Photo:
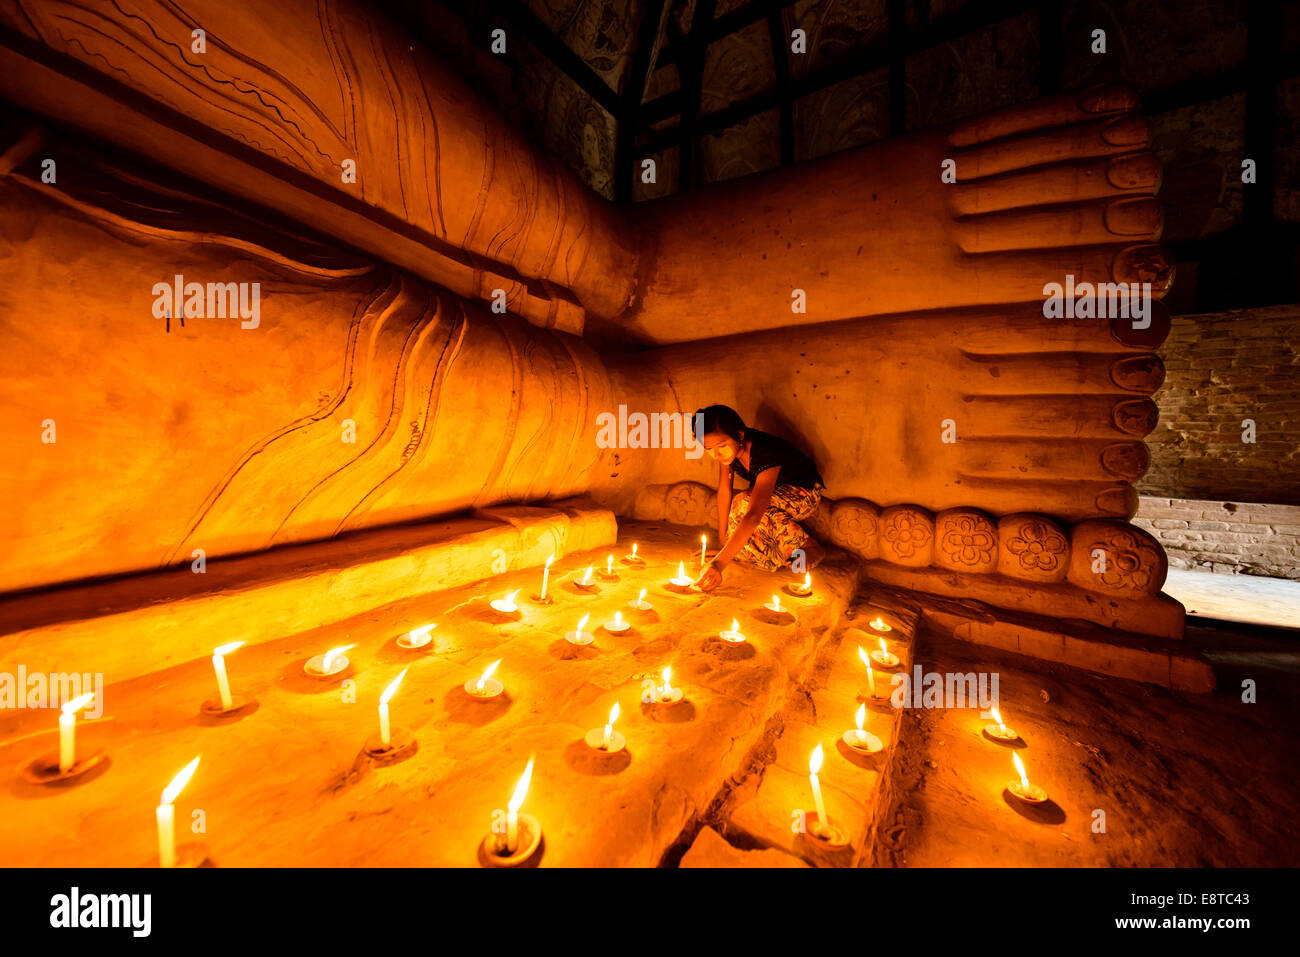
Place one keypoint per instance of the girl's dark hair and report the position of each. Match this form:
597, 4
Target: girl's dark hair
721, 418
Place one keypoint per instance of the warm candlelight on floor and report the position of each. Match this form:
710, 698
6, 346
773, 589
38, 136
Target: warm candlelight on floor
802, 589
641, 604
485, 686
609, 574
681, 581
734, 633
878, 624
416, 637
666, 693
1022, 789
512, 809
166, 814
859, 739
606, 740
704, 545
330, 663
68, 731
618, 625
506, 605
774, 606
999, 731
546, 577
815, 765
884, 657
219, 666
580, 635
385, 736
609, 726
871, 675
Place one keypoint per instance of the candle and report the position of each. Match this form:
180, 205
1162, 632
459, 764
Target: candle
416, 637
546, 575
704, 544
580, 636
634, 556
1000, 731
166, 815
878, 624
512, 809
859, 739
609, 726
871, 675
1022, 789
219, 666
482, 682
734, 633
1020, 769
327, 665
385, 737
586, 579
815, 765
807, 583
641, 604
667, 693
618, 625
884, 656
68, 731
609, 565
506, 606
681, 580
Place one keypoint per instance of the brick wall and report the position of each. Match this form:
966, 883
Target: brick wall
1219, 536
1222, 368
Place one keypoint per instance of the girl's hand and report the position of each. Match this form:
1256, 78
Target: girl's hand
711, 578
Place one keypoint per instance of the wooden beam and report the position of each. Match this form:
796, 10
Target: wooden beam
691, 68
781, 62
634, 83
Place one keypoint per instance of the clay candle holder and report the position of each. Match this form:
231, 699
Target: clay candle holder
1000, 732
618, 625
416, 637
506, 607
329, 664
665, 693
608, 575
606, 740
542, 598
486, 687
681, 583
64, 765
640, 604
523, 835
782, 616
225, 703
1022, 789
879, 626
579, 636
884, 657
585, 583
862, 742
633, 558
390, 740
733, 634
800, 590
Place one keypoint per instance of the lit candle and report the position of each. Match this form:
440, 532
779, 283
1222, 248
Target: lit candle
506, 605
681, 580
1020, 769
1022, 789
634, 556
219, 666
512, 809
815, 765
999, 731
807, 583
884, 656
416, 637
580, 636
609, 565
618, 625
704, 544
667, 691
546, 575
859, 739
609, 726
734, 633
166, 814
482, 682
586, 579
871, 675
384, 736
640, 604
327, 665
68, 731
878, 624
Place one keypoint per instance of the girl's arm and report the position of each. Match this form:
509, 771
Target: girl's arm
760, 496
724, 499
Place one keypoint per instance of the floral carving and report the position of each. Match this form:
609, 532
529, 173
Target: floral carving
1038, 546
968, 541
853, 526
1130, 562
908, 532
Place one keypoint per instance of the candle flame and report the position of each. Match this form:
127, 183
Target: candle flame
510, 599
681, 571
613, 714
618, 618
884, 652
1020, 769
704, 539
521, 789
735, 625
488, 674
668, 675
415, 634
878, 623
586, 579
807, 580
330, 655
549, 560
76, 704
172, 790
776, 603
392, 688
862, 715
227, 649
609, 565
998, 718
582, 622
866, 660
634, 549
641, 597
815, 762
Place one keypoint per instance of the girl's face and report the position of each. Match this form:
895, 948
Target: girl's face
723, 448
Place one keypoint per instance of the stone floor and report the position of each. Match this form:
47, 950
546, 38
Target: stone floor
1251, 599
287, 783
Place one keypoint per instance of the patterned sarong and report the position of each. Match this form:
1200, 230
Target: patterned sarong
778, 533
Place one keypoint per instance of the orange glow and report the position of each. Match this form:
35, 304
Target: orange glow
227, 649
1020, 769
815, 762
521, 789
487, 674
328, 660
183, 778
862, 715
391, 690
582, 622
76, 704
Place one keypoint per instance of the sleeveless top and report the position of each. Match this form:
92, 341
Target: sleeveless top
769, 451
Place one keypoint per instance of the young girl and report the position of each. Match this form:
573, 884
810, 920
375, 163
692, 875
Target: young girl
759, 526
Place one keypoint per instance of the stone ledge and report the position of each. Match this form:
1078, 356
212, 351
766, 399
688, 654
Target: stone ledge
97, 627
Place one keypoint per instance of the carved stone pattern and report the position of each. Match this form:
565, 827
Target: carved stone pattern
853, 526
1038, 545
968, 541
907, 531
